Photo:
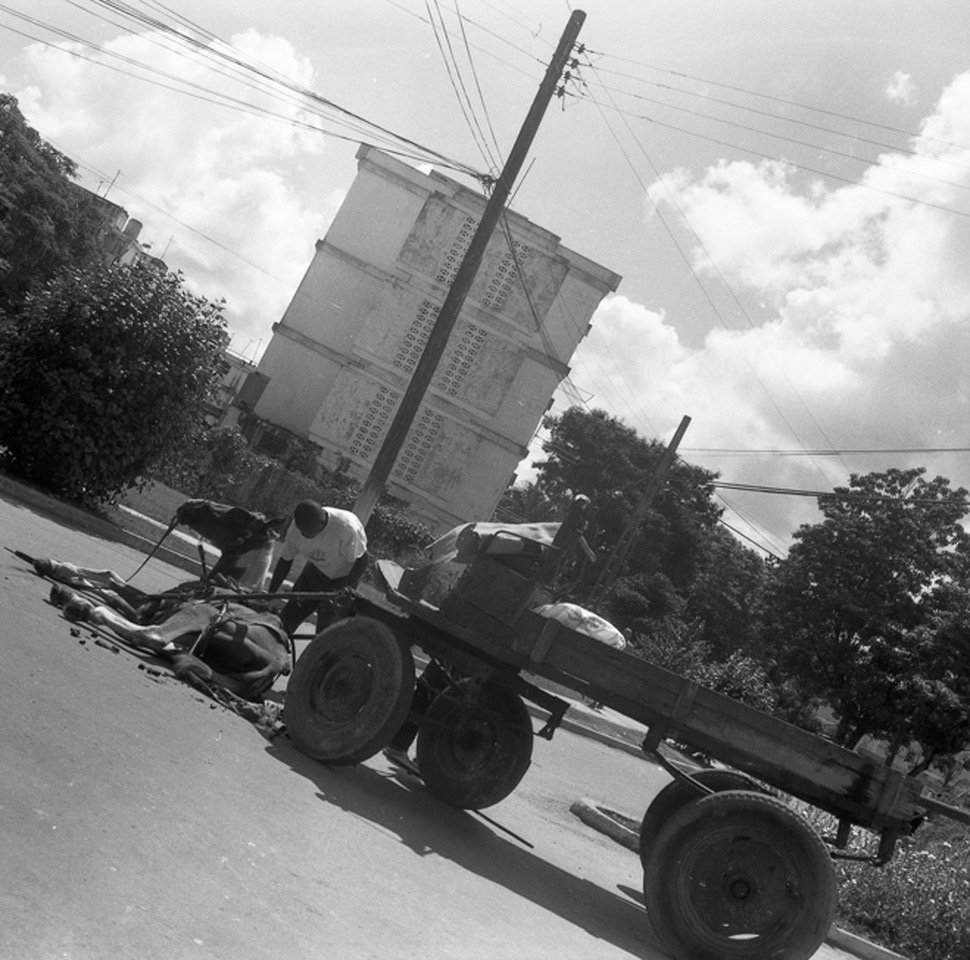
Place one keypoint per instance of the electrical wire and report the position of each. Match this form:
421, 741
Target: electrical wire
756, 544
862, 121
834, 495
842, 154
249, 72
496, 160
443, 40
710, 301
768, 452
854, 135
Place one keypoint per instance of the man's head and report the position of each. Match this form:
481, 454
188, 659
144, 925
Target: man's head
310, 518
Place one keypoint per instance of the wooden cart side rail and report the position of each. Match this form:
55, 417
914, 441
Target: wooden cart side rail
792, 760
786, 757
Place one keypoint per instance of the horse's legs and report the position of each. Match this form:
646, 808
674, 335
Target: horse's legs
79, 608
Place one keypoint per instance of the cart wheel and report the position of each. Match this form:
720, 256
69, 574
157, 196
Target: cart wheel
350, 691
678, 794
472, 752
739, 875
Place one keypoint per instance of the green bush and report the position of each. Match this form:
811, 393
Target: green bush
675, 645
919, 903
392, 533
210, 465
740, 678
220, 466
100, 373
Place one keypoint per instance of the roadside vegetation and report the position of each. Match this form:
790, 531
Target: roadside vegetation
919, 903
218, 464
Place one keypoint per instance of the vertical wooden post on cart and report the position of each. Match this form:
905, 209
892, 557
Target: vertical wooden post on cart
616, 559
448, 315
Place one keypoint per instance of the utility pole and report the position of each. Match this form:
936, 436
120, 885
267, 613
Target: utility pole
618, 556
110, 185
448, 315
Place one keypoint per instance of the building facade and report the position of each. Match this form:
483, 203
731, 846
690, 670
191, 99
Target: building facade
225, 406
118, 234
342, 355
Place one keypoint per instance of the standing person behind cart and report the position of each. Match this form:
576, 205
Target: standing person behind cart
334, 545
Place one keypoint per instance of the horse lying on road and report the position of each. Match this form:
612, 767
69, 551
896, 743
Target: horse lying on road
239, 647
209, 642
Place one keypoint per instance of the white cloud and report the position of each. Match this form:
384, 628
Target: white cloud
872, 310
901, 89
217, 189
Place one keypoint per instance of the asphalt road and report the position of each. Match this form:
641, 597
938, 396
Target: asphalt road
139, 820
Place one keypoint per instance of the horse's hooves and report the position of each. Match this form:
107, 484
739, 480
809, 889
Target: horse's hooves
78, 610
61, 594
75, 607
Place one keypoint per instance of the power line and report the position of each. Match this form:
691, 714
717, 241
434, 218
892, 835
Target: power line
538, 61
707, 296
896, 148
219, 56
869, 161
443, 40
835, 495
751, 540
790, 103
768, 452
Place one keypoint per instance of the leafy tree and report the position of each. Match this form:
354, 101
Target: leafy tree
931, 695
592, 453
681, 563
861, 613
527, 503
46, 220
102, 372
725, 594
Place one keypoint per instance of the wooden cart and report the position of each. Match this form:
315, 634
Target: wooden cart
731, 870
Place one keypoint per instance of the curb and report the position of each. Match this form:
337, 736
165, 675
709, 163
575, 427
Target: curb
605, 731
860, 947
591, 812
89, 522
611, 737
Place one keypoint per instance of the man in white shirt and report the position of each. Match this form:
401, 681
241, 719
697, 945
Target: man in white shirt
334, 545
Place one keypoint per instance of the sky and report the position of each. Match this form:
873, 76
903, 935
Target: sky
783, 187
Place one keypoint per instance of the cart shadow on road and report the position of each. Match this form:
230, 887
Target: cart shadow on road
401, 806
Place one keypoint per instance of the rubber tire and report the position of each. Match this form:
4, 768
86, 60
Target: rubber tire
739, 876
350, 691
473, 753
678, 794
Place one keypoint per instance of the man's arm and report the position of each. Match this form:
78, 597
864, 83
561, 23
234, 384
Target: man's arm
280, 572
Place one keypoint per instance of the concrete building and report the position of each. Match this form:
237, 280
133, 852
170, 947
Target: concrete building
341, 357
225, 407
118, 236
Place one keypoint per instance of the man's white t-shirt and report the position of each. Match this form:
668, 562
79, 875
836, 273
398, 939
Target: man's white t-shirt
333, 550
